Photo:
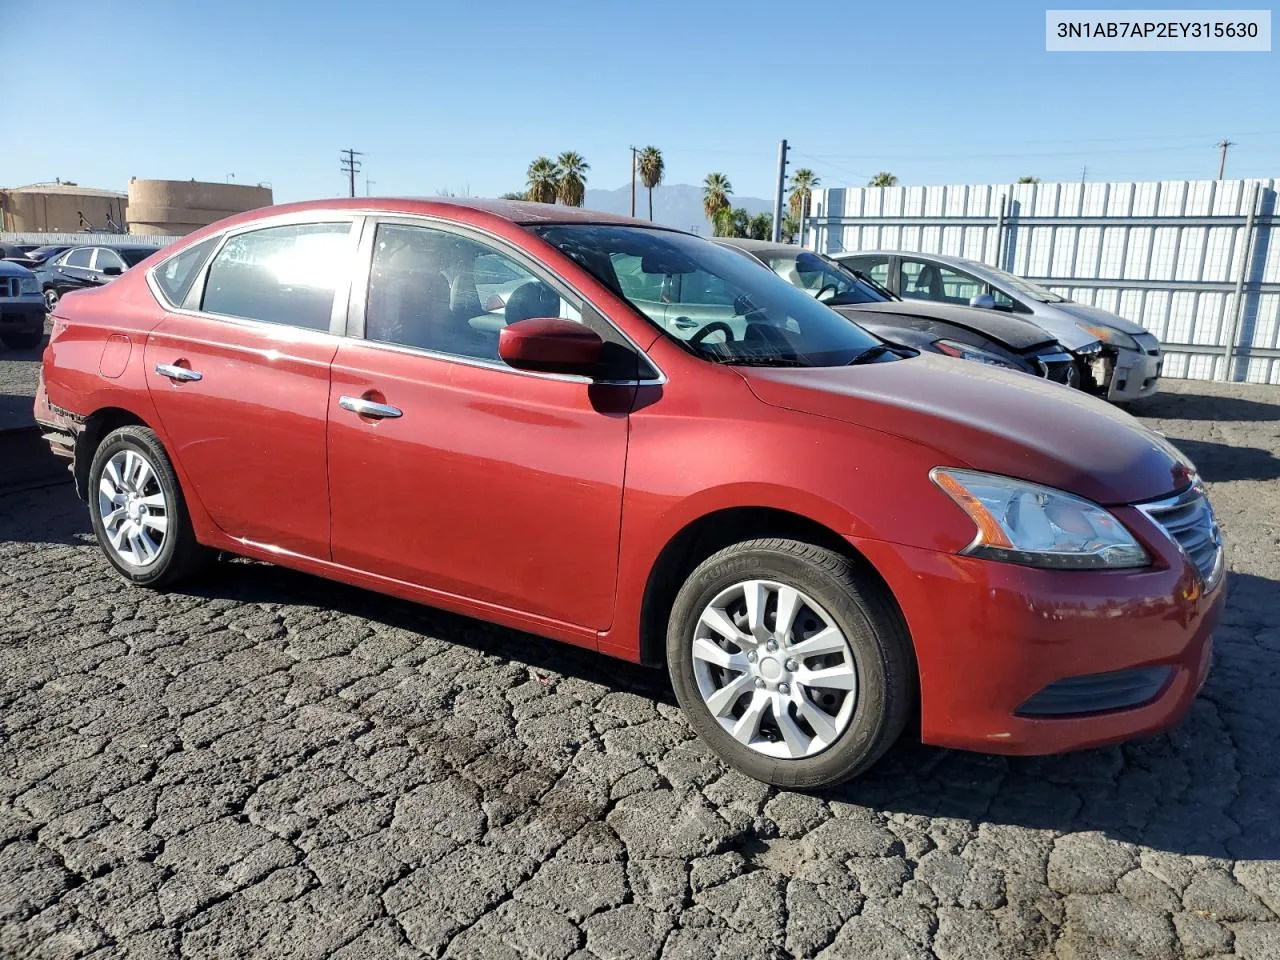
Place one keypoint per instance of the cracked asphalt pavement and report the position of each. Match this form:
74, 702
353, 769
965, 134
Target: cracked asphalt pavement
263, 764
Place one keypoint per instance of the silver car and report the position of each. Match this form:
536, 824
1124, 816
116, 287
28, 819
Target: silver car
1128, 367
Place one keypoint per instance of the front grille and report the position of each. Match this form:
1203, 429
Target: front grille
1058, 366
1188, 518
1097, 693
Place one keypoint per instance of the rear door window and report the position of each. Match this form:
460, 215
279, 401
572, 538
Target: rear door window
107, 257
80, 257
286, 274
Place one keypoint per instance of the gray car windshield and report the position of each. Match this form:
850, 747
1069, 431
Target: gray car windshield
719, 304
822, 279
1032, 291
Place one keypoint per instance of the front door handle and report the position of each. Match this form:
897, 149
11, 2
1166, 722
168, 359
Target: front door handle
369, 408
177, 373
684, 323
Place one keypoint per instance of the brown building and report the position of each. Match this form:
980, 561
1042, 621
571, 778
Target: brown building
61, 208
176, 207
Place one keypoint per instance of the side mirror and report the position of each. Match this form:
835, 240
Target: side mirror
111, 270
984, 301
550, 345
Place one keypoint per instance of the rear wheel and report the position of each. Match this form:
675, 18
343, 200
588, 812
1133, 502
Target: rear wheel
790, 662
23, 340
50, 299
138, 512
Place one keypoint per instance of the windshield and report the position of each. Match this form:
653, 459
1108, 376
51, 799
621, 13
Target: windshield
822, 278
134, 257
1028, 289
721, 305
43, 253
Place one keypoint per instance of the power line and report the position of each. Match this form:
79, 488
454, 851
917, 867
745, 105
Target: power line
350, 166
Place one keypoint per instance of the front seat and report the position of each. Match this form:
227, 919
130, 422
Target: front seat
927, 283
530, 300
410, 308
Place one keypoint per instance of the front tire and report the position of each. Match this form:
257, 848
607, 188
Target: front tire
138, 512
50, 299
791, 662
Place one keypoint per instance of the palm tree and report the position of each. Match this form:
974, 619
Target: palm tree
760, 227
731, 222
883, 179
651, 170
716, 191
802, 183
544, 180
572, 168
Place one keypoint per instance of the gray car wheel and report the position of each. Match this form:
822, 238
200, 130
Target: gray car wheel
791, 661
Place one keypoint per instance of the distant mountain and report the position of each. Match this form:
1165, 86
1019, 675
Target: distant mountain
674, 204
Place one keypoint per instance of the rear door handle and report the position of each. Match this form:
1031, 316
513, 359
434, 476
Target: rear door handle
368, 408
684, 323
177, 373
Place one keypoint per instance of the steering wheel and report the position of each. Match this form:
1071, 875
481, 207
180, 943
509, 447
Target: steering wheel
824, 288
713, 327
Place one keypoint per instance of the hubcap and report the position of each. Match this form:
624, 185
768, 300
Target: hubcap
133, 508
774, 669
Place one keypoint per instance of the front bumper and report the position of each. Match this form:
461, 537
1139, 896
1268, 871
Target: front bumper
1135, 374
22, 314
991, 638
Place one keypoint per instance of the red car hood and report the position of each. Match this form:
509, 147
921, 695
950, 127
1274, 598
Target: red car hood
989, 419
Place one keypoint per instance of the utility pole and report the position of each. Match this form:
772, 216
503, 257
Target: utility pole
777, 200
633, 181
350, 166
367, 184
1222, 157
1084, 172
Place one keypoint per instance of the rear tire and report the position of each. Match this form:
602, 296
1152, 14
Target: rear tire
50, 299
774, 703
25, 340
138, 512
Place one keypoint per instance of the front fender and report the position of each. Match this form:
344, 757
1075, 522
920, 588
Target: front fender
855, 481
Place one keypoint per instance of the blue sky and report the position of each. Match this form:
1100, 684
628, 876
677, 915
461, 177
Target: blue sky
461, 96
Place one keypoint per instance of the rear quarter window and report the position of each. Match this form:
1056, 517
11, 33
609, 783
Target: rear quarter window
175, 276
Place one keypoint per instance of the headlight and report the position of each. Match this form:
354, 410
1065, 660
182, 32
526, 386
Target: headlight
1112, 336
1021, 522
953, 348
29, 285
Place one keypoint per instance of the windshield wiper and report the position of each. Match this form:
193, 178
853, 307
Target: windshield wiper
869, 354
875, 285
758, 361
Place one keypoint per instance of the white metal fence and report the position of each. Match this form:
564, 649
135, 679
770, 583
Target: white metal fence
87, 239
1193, 261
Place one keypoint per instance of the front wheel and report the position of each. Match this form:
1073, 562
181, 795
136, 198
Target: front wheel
791, 662
50, 299
138, 512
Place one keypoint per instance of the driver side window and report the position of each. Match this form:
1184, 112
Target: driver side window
447, 293
958, 287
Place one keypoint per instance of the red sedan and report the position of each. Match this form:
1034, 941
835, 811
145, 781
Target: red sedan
486, 407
